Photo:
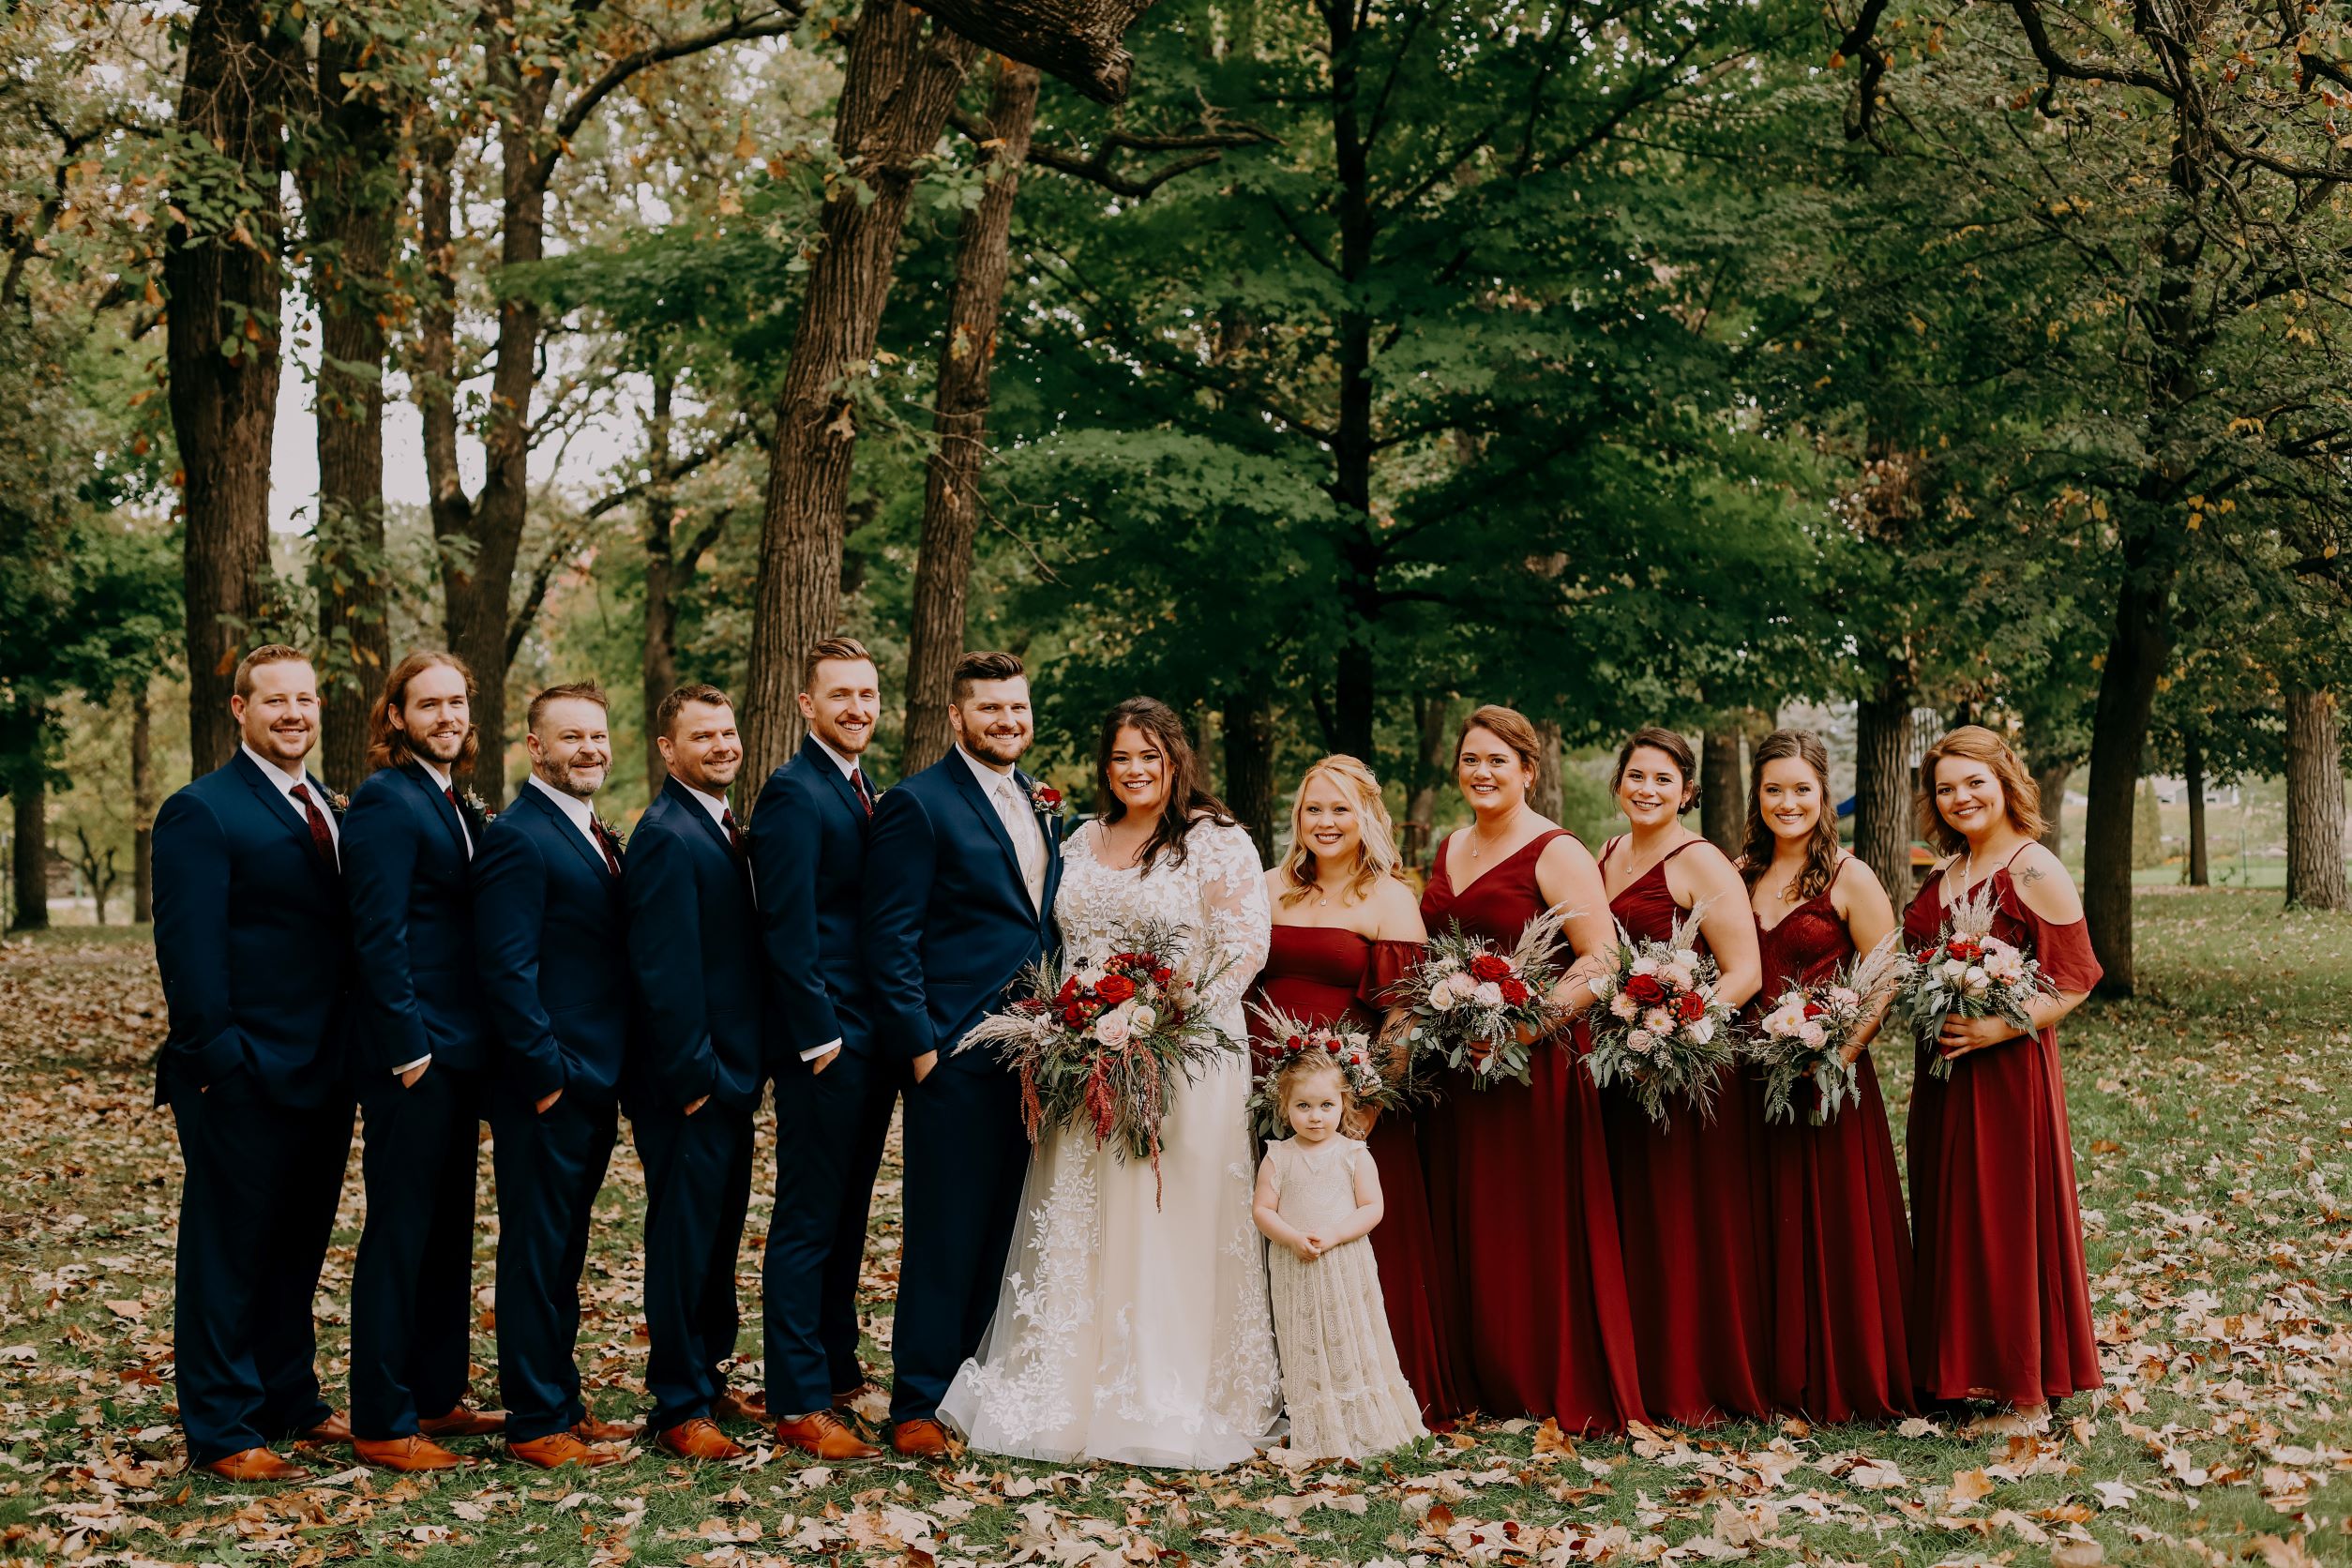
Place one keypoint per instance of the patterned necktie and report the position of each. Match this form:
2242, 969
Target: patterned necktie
865, 790
605, 843
734, 833
1014, 813
321, 837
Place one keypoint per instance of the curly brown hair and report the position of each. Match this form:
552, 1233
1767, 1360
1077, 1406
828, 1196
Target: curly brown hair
388, 737
1821, 851
1185, 803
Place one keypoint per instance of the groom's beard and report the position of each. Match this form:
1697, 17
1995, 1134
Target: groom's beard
581, 780
1006, 748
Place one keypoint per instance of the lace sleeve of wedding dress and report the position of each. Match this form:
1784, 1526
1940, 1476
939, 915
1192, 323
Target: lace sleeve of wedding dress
1233, 908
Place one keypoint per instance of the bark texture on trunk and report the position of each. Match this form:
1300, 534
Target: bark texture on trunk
1248, 726
2050, 781
2136, 652
2193, 765
1883, 786
2315, 802
959, 425
902, 82
1547, 795
1416, 846
143, 804
221, 272
1077, 41
659, 672
1723, 796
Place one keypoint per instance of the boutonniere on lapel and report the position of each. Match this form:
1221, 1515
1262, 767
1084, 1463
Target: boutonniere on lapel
338, 803
608, 830
473, 805
1044, 798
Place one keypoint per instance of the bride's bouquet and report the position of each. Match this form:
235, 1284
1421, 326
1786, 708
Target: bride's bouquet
1355, 1053
1970, 972
1470, 999
1658, 1027
1101, 1044
1804, 1035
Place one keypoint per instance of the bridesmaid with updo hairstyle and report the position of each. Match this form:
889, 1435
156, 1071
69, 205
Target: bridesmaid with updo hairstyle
2001, 1307
1691, 1202
1840, 1257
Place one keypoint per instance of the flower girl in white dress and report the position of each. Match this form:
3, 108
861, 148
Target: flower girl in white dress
1318, 1196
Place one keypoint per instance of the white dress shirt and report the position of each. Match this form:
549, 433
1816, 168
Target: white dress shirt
287, 783
575, 809
1013, 809
715, 805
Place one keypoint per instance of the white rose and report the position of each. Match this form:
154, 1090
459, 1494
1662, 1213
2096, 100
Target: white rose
1686, 957
1954, 970
1658, 1021
1682, 977
1142, 1018
1090, 977
1646, 964
1811, 1032
1624, 1006
1111, 1028
1844, 996
1486, 994
1701, 1033
1641, 1042
1975, 981
1441, 995
1605, 985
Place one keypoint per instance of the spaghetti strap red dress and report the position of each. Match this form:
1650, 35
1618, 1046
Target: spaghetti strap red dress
1520, 1198
2000, 1309
1841, 1250
1321, 974
1692, 1213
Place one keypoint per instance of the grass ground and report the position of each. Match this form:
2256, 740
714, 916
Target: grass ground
2214, 1123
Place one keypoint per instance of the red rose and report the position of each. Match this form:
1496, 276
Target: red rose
1647, 989
1690, 1006
1965, 948
1514, 991
1331, 1046
1049, 797
1813, 1009
1114, 989
1068, 994
1486, 966
1162, 976
1074, 1017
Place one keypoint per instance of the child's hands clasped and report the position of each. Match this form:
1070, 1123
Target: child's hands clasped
1309, 1249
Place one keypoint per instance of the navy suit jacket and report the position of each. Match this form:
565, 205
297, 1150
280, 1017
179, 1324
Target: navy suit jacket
410, 885
253, 940
551, 948
947, 925
808, 871
694, 946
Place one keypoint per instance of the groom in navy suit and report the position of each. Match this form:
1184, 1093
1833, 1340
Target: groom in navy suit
961, 869
250, 936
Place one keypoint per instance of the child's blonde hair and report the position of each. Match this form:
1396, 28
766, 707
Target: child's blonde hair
1307, 1065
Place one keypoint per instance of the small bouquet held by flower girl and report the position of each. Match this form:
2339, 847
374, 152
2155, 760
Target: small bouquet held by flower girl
1470, 999
1101, 1044
1804, 1035
1970, 972
1658, 1027
1355, 1053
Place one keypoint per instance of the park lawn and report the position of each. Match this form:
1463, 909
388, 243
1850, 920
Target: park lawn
2211, 1118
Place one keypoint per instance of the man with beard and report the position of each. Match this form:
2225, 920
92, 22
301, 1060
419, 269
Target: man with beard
834, 1090
553, 954
251, 937
695, 1078
961, 869
418, 1064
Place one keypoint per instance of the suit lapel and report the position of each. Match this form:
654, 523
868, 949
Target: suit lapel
978, 800
684, 800
1049, 829
818, 758
441, 808
273, 801
570, 835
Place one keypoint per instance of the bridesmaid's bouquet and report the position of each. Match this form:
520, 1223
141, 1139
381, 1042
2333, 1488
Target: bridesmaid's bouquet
1805, 1034
1469, 1001
1102, 1044
1658, 1027
1287, 1038
1968, 970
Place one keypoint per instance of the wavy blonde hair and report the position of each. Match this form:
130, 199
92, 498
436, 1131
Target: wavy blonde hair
1375, 842
2021, 797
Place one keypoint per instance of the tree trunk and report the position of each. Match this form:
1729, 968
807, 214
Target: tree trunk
1722, 793
1546, 797
659, 671
352, 191
2315, 803
1883, 785
959, 425
901, 83
1416, 845
2193, 764
221, 273
2136, 652
142, 805
23, 735
2050, 781
1078, 40
1356, 696
1250, 768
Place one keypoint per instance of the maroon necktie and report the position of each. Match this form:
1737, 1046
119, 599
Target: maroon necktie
604, 842
865, 790
451, 790
321, 837
734, 833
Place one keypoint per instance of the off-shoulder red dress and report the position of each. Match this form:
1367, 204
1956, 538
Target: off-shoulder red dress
1519, 1197
2000, 1309
1318, 975
1841, 1250
1692, 1213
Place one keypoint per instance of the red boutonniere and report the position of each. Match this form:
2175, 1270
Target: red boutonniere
1043, 797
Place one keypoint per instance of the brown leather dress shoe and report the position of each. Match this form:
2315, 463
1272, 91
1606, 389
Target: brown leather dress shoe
256, 1463
405, 1454
699, 1438
921, 1439
335, 1428
589, 1429
463, 1422
734, 1405
561, 1448
825, 1435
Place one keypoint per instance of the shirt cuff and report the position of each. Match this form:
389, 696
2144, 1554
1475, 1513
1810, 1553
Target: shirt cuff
406, 1067
824, 1050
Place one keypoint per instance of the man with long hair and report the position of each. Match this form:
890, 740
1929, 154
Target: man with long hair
419, 1065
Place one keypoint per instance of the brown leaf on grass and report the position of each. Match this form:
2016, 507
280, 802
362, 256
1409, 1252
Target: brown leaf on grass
1549, 1439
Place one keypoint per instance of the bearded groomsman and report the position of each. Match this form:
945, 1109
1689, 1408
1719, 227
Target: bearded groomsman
418, 1064
695, 1078
250, 936
553, 954
834, 1089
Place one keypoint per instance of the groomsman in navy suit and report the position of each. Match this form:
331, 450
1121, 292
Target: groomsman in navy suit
251, 938
695, 1078
834, 1089
552, 947
961, 868
418, 1064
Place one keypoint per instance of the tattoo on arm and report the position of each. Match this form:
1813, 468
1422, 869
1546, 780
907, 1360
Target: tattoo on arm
2031, 874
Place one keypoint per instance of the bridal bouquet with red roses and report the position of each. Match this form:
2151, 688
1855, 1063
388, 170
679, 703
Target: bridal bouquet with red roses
1804, 1034
1658, 1027
1355, 1053
1470, 1001
1101, 1042
1970, 972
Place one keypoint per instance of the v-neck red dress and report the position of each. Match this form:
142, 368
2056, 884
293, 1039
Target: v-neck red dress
1841, 1250
1321, 974
1692, 1211
1519, 1198
2001, 1304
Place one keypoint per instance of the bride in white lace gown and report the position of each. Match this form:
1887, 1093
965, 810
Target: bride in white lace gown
1126, 1331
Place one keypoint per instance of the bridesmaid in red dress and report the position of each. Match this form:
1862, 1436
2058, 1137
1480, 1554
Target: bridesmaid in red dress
1840, 1257
1518, 1176
1345, 927
1690, 1206
2001, 1310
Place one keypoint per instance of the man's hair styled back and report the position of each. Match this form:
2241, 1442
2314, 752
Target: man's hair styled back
972, 668
666, 715
584, 691
268, 653
845, 648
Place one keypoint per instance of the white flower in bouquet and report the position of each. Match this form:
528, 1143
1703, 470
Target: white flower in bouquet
1649, 964
1142, 1019
1844, 996
1479, 1008
1624, 1006
1114, 1027
1703, 1032
1682, 977
1656, 1022
1641, 1040
1604, 987
2004, 963
1486, 994
1441, 995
